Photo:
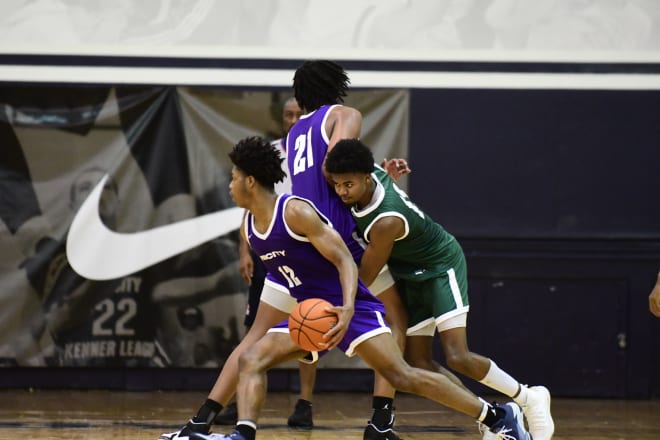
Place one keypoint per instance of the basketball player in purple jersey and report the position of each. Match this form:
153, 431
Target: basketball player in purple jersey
253, 272
307, 258
319, 88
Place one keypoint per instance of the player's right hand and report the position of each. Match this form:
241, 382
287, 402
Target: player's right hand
337, 333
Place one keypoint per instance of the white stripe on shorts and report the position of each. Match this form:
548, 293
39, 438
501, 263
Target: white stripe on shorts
350, 352
455, 290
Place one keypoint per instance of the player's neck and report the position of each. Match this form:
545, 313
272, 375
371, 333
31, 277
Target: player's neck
263, 209
368, 196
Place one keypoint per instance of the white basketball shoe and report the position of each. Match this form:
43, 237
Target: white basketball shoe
537, 413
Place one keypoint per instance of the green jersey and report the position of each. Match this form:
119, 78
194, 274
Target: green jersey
425, 250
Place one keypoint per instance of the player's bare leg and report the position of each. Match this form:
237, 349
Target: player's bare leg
302, 413
380, 426
419, 354
379, 352
535, 401
225, 386
271, 350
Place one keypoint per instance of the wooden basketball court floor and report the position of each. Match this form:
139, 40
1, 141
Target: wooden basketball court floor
134, 415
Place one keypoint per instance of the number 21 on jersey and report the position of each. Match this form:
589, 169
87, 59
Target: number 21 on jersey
304, 157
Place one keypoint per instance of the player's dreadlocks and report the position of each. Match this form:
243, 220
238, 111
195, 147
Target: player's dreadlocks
255, 156
349, 156
321, 82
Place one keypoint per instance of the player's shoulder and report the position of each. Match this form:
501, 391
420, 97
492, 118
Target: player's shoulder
298, 206
299, 209
299, 214
344, 110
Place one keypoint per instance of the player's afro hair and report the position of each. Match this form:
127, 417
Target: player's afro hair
318, 83
349, 156
255, 156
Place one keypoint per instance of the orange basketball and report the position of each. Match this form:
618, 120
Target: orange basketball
309, 321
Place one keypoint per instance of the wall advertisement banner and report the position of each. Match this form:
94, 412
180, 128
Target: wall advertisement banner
163, 154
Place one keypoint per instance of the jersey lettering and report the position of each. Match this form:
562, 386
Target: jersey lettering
407, 201
303, 158
290, 276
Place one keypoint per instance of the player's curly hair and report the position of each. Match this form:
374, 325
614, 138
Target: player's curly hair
349, 156
255, 156
319, 82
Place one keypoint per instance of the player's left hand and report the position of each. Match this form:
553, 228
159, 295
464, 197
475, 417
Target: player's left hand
336, 334
396, 167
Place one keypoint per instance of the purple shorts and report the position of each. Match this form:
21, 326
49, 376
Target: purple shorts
366, 323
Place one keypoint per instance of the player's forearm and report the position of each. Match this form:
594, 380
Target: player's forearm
372, 263
348, 276
368, 275
243, 248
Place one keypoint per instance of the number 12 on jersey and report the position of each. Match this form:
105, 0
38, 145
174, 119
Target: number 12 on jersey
290, 276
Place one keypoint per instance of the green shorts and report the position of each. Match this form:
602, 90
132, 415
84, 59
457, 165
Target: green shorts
440, 302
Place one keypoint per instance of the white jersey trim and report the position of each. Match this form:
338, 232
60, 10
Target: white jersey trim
350, 351
286, 226
326, 138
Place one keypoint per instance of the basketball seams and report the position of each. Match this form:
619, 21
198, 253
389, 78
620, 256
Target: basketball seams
305, 328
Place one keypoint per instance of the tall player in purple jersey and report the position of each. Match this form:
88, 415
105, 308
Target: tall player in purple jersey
308, 258
319, 87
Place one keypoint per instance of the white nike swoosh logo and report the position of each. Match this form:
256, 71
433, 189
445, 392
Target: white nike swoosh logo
98, 253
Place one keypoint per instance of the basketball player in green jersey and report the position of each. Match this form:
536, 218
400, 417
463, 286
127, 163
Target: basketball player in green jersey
431, 274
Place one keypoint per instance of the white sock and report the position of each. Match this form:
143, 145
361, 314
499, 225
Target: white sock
521, 398
501, 381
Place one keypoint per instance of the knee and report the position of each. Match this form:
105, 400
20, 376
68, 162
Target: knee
458, 361
249, 360
423, 362
400, 379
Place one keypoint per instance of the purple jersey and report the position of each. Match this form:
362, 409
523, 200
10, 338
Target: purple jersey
307, 145
293, 262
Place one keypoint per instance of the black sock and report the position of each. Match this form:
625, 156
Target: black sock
247, 431
493, 415
207, 412
382, 411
